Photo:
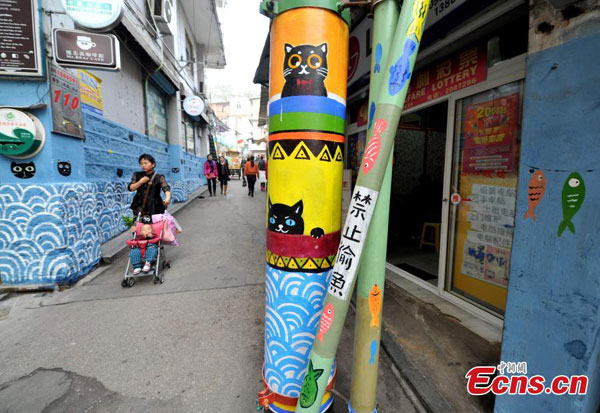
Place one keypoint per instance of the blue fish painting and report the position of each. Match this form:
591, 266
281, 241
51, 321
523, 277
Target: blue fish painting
373, 352
371, 114
400, 72
378, 56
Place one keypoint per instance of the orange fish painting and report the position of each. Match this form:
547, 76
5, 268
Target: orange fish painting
326, 321
374, 146
375, 305
535, 192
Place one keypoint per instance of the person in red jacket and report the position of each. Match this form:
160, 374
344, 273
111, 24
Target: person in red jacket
252, 174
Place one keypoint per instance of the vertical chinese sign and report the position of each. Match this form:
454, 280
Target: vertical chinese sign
67, 117
491, 135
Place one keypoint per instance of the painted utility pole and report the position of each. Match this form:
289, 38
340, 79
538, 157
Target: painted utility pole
307, 110
389, 102
371, 275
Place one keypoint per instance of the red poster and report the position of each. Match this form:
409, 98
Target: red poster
457, 72
490, 132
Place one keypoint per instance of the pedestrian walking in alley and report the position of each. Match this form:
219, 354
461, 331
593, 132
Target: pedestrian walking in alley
252, 174
148, 184
223, 170
211, 173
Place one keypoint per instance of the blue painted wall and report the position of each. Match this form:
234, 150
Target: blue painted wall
52, 226
552, 320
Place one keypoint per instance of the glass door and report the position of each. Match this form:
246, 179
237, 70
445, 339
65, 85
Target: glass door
483, 194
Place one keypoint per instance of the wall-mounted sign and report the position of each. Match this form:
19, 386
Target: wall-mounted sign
100, 15
193, 105
20, 135
360, 51
73, 48
462, 70
438, 9
67, 116
19, 38
90, 88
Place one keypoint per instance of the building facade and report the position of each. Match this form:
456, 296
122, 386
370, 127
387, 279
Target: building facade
57, 206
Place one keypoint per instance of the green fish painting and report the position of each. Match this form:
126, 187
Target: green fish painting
573, 194
310, 388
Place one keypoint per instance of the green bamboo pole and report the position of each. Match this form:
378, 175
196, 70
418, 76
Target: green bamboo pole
389, 103
371, 275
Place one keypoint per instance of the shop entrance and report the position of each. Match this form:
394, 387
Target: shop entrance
417, 192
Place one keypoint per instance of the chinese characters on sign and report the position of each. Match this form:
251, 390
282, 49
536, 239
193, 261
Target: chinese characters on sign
457, 72
19, 38
352, 242
74, 48
67, 117
486, 254
491, 130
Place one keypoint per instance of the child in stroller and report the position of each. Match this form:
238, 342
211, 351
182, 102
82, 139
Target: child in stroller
147, 249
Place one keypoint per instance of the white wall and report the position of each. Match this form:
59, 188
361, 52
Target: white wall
123, 93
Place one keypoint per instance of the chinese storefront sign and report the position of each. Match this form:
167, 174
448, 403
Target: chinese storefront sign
90, 87
486, 253
74, 48
490, 133
19, 38
19, 137
94, 14
67, 117
352, 242
457, 72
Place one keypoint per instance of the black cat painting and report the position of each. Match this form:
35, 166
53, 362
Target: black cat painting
287, 219
64, 168
23, 170
305, 70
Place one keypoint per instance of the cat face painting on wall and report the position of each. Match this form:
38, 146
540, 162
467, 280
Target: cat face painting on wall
23, 170
64, 168
305, 70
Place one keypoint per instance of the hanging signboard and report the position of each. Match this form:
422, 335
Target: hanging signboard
90, 88
460, 71
67, 117
20, 134
438, 9
73, 48
100, 15
19, 38
193, 105
491, 130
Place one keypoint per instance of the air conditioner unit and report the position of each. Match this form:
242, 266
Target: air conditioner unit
163, 12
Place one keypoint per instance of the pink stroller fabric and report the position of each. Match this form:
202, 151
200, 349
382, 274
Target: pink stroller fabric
168, 238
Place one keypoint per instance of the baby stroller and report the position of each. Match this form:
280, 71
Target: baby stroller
129, 278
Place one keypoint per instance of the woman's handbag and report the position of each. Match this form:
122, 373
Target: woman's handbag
244, 181
141, 210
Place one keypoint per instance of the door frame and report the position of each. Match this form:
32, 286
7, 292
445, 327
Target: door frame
502, 73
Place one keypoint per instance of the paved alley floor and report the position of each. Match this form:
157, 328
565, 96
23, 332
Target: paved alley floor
192, 344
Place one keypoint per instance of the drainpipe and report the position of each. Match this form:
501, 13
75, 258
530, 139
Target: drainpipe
396, 71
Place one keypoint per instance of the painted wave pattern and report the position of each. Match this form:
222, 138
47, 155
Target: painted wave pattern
294, 304
51, 234
181, 190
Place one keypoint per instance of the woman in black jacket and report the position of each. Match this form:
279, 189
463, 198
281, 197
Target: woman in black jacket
223, 171
148, 184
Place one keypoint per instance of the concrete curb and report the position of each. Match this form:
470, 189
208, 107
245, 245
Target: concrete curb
116, 247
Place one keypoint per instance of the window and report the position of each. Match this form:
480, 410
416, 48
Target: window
189, 54
156, 112
190, 141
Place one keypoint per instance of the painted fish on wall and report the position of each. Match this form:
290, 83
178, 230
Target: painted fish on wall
573, 194
374, 147
535, 192
375, 305
373, 352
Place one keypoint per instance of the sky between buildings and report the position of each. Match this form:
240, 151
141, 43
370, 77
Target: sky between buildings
244, 32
